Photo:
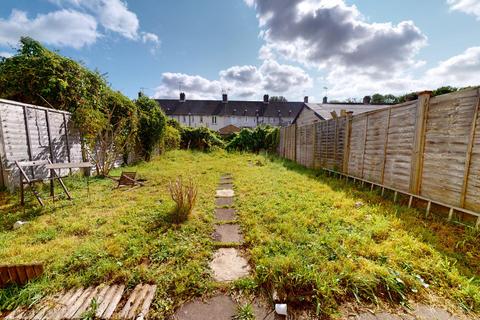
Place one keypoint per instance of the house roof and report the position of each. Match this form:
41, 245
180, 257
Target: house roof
324, 110
231, 108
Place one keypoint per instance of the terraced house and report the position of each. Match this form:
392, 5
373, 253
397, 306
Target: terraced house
229, 116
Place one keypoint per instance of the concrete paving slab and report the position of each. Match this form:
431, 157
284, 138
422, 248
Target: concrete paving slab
228, 233
222, 186
422, 311
217, 308
226, 180
225, 193
225, 214
220, 202
228, 265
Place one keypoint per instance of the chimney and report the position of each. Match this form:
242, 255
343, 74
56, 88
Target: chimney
367, 100
325, 100
182, 96
305, 99
265, 99
224, 98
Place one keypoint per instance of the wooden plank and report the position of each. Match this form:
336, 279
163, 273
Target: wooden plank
86, 304
148, 300
129, 311
101, 300
468, 156
38, 269
27, 134
113, 302
346, 147
385, 146
60, 303
364, 145
419, 141
72, 308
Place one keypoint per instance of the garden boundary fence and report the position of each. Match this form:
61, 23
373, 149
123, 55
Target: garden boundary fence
427, 149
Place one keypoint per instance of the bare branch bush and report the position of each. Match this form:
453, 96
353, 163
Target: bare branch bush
184, 194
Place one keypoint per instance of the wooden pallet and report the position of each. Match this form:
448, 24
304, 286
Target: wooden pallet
75, 303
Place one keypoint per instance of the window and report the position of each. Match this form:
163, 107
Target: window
214, 119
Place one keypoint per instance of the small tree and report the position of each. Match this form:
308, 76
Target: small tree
118, 131
152, 125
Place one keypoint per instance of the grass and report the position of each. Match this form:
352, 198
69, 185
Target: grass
305, 237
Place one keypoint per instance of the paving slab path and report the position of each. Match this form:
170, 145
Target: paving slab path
227, 264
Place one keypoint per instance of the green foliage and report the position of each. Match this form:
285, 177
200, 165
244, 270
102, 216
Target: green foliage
172, 138
152, 125
278, 99
444, 90
200, 138
391, 99
106, 119
244, 312
260, 138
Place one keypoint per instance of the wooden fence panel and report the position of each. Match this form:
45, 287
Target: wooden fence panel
400, 147
375, 146
357, 145
447, 134
472, 184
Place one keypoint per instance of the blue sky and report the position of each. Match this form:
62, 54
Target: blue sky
251, 47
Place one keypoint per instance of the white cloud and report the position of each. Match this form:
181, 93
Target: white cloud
460, 70
240, 82
61, 28
114, 16
466, 6
322, 33
4, 54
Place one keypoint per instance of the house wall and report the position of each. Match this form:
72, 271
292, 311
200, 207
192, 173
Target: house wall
223, 121
306, 116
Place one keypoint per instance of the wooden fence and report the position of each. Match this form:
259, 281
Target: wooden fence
428, 149
29, 133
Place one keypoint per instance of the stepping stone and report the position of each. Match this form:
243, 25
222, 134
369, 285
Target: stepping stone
222, 186
226, 180
225, 193
228, 265
224, 201
225, 214
228, 233
216, 308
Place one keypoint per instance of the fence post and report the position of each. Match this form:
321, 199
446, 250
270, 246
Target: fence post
385, 146
419, 141
364, 145
29, 142
468, 155
346, 147
295, 143
314, 139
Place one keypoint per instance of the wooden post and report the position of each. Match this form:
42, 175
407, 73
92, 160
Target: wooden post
335, 144
52, 158
295, 143
468, 159
346, 143
419, 141
67, 141
410, 200
364, 145
385, 146
29, 143
314, 144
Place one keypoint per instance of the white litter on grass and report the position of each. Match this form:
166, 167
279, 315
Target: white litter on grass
281, 309
225, 193
19, 224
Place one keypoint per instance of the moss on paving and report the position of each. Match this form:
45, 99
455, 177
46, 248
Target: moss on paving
304, 234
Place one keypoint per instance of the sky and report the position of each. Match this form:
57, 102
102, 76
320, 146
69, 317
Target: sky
248, 48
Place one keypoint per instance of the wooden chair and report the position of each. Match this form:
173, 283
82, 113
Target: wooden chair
128, 179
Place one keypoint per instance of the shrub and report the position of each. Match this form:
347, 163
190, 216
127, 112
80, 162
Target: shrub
184, 195
152, 125
172, 138
261, 138
200, 138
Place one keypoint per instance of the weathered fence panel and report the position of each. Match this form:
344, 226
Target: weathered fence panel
29, 132
429, 147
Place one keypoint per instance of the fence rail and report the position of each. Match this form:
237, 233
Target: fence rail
429, 148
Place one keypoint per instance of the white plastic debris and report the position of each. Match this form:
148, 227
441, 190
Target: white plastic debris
281, 309
358, 204
19, 224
